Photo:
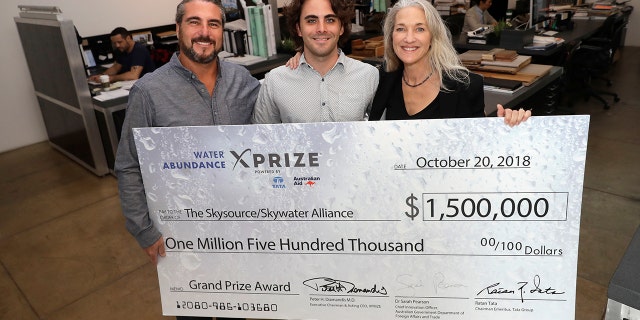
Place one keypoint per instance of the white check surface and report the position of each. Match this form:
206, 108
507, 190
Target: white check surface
439, 219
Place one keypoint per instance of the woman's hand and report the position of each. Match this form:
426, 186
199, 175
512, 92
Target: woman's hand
294, 62
513, 117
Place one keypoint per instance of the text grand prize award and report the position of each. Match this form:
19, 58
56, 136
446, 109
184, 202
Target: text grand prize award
438, 219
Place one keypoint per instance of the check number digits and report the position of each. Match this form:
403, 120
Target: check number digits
514, 206
227, 306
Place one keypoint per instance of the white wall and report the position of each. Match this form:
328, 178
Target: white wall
20, 119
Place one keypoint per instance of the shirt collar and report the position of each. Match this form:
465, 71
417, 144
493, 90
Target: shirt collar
341, 59
182, 70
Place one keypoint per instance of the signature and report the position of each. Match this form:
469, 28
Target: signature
326, 284
520, 289
440, 282
408, 282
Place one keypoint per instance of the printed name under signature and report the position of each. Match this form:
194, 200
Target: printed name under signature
497, 289
326, 284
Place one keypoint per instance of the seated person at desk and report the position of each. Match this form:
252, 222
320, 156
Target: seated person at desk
478, 16
132, 59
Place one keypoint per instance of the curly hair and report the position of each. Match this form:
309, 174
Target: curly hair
442, 55
344, 10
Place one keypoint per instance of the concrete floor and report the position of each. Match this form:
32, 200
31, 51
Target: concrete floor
65, 254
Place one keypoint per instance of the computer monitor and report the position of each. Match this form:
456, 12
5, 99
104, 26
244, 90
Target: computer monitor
538, 11
87, 56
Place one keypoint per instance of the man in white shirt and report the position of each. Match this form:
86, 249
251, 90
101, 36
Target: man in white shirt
327, 86
478, 16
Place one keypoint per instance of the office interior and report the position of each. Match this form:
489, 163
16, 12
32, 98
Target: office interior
64, 252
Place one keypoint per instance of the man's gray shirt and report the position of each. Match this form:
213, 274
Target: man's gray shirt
168, 97
302, 95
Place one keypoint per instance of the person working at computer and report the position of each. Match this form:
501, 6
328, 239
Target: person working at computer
478, 16
328, 85
132, 59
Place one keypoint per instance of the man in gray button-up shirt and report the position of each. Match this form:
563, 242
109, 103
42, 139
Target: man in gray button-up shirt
195, 88
327, 85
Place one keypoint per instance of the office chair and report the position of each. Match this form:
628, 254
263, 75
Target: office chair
455, 23
592, 57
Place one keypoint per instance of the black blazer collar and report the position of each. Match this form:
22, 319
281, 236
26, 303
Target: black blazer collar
449, 99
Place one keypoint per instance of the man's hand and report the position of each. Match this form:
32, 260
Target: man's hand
95, 78
155, 250
513, 117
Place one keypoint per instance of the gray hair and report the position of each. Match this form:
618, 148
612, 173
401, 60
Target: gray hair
442, 55
180, 9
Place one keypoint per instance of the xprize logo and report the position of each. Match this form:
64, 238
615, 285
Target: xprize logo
275, 160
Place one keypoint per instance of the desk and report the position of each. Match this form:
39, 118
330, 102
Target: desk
582, 29
624, 288
260, 68
510, 100
110, 117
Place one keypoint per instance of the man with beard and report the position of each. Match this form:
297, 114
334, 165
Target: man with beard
194, 88
132, 59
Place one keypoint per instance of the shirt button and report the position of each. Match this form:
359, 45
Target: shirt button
323, 104
322, 79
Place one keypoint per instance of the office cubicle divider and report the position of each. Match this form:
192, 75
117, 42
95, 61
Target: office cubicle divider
57, 71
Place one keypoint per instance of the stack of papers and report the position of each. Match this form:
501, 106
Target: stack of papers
113, 94
501, 85
519, 62
127, 84
544, 43
246, 60
478, 60
527, 75
479, 36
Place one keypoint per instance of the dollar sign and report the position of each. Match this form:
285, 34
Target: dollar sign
414, 208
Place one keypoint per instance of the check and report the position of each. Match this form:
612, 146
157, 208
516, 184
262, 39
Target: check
438, 219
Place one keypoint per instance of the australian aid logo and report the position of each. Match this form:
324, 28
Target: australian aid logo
306, 181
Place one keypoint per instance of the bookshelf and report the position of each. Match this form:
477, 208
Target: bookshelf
254, 28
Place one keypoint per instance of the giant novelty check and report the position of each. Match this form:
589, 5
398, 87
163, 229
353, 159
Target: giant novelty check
439, 219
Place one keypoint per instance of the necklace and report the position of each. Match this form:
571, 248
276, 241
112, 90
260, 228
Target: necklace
419, 84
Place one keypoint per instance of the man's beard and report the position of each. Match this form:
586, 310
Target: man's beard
194, 56
124, 49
